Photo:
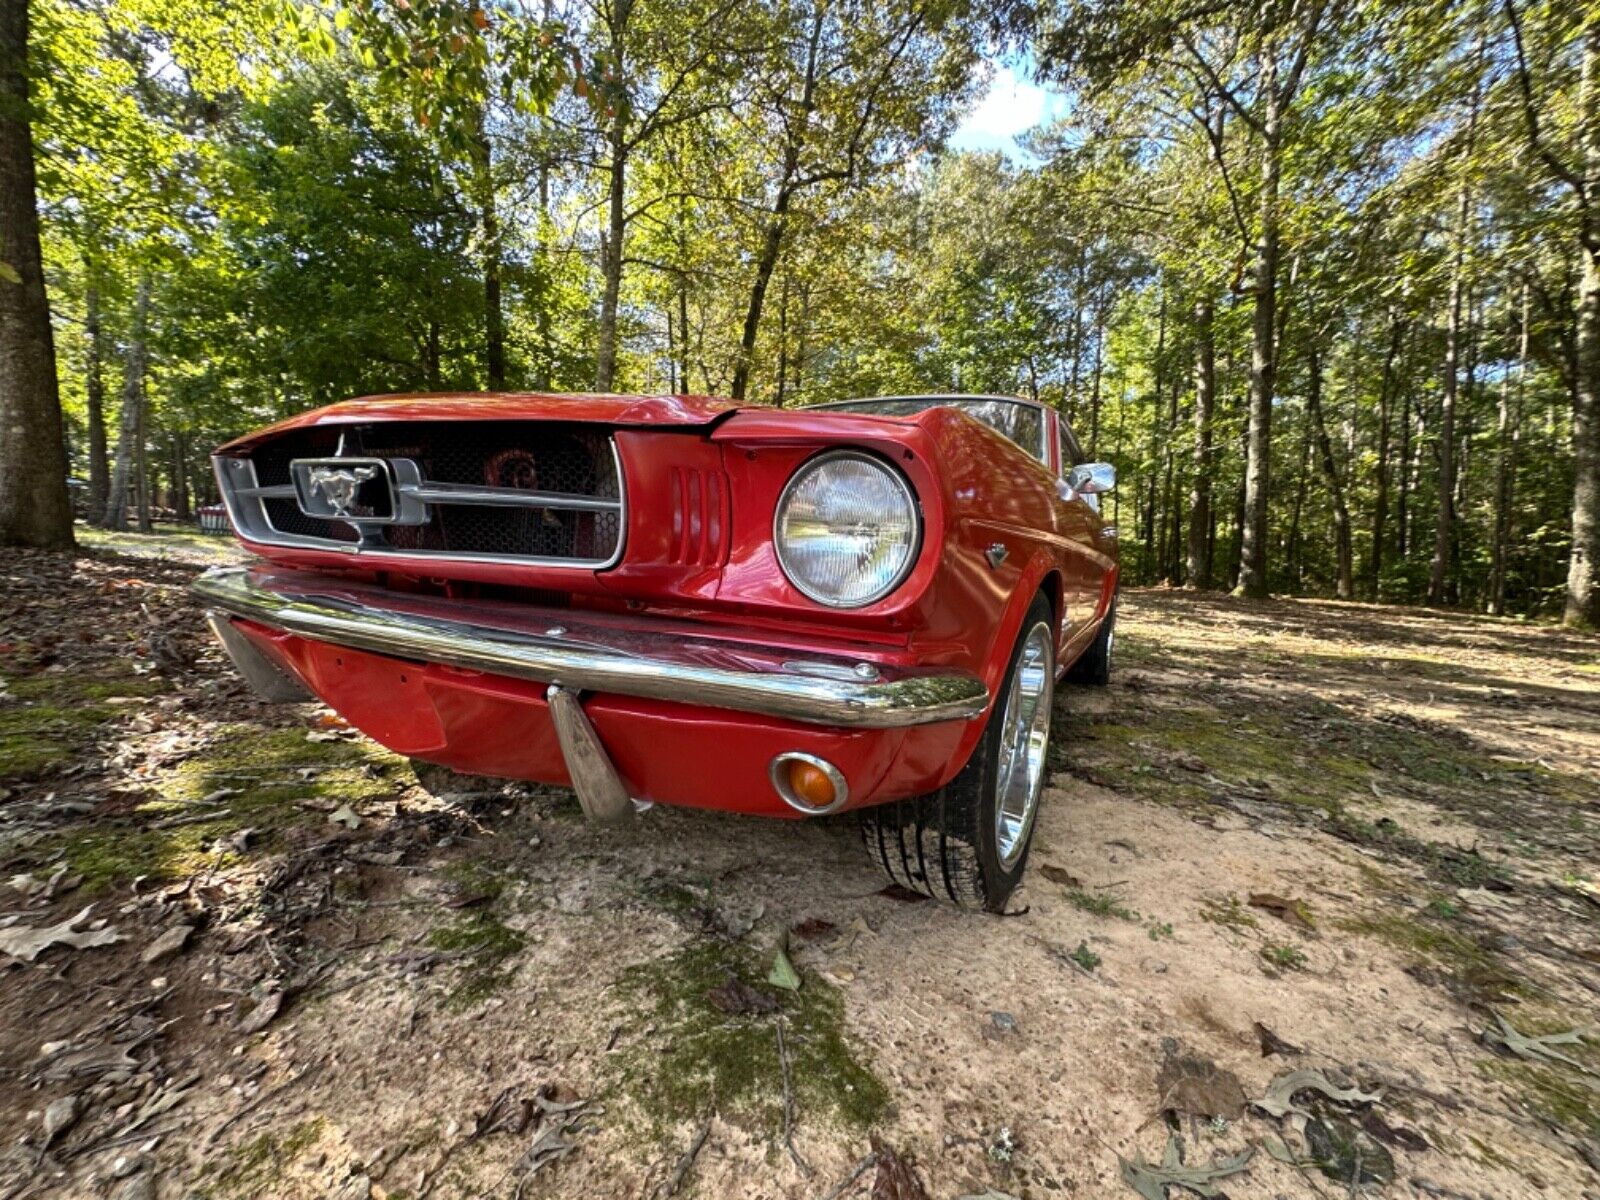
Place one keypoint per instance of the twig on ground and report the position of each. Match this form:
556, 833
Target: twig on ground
788, 1105
684, 1163
856, 1173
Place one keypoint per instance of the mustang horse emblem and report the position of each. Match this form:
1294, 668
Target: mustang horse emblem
339, 485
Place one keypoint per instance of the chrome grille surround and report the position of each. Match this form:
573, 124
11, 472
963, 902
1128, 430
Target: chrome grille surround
458, 517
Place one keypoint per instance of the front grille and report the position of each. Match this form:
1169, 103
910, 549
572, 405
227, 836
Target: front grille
532, 491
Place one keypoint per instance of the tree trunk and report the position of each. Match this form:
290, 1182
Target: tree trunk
35, 509
1583, 568
494, 325
141, 465
1345, 586
1380, 500
1445, 513
1508, 432
1198, 565
605, 366
771, 247
180, 476
1263, 348
95, 391
124, 472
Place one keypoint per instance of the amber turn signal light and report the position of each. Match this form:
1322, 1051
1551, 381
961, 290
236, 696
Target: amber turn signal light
809, 784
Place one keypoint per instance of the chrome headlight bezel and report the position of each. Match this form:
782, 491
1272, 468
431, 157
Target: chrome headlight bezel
913, 508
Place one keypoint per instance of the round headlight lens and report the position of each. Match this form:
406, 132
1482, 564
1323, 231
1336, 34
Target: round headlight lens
846, 529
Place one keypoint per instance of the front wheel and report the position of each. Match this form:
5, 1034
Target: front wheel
968, 842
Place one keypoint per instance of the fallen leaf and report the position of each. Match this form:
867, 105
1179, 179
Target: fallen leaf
1294, 912
27, 942
1196, 1086
1272, 1044
783, 973
167, 944
1059, 875
1393, 1135
1151, 1181
813, 928
896, 1178
260, 1016
847, 940
903, 894
737, 998
1536, 1048
1279, 1100
344, 815
1345, 1154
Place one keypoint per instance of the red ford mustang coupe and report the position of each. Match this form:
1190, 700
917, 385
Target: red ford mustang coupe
680, 600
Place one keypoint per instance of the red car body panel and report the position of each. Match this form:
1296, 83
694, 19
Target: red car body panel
702, 479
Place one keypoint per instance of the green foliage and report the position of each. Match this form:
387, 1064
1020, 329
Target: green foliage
320, 191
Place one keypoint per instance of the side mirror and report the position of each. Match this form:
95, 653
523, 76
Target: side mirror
1090, 479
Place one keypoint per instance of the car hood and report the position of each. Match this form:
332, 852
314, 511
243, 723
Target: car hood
685, 411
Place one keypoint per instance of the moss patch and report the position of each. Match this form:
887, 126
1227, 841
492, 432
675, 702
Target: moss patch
258, 1163
486, 944
699, 1058
51, 718
265, 773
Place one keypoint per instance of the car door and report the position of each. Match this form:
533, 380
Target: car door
1080, 520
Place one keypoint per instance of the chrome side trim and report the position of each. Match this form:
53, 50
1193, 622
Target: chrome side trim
504, 497
654, 668
601, 792
243, 494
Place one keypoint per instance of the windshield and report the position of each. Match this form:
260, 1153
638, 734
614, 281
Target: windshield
1022, 423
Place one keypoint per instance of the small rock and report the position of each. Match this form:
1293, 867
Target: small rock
61, 1116
136, 1187
1004, 1022
168, 944
357, 1187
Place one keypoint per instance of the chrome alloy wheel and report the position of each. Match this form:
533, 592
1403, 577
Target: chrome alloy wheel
1023, 744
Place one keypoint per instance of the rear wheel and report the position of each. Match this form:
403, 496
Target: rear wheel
1094, 664
968, 842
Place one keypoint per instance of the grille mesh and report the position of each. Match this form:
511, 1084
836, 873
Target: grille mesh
529, 456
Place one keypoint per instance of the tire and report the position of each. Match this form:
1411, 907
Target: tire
948, 844
1094, 664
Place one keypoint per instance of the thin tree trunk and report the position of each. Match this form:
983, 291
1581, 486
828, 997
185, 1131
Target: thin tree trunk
1508, 432
1263, 348
141, 464
1583, 568
1292, 553
605, 368
1094, 386
1402, 517
1198, 565
1345, 585
95, 391
35, 509
1380, 500
494, 324
124, 472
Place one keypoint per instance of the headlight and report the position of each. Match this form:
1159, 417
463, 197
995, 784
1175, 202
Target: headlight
846, 529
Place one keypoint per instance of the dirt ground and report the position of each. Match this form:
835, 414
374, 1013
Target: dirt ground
1351, 841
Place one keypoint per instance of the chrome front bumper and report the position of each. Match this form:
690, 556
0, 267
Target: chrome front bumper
581, 651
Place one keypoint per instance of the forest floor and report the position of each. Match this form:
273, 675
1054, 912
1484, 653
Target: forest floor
242, 953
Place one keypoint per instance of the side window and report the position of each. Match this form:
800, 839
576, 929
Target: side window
1071, 455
